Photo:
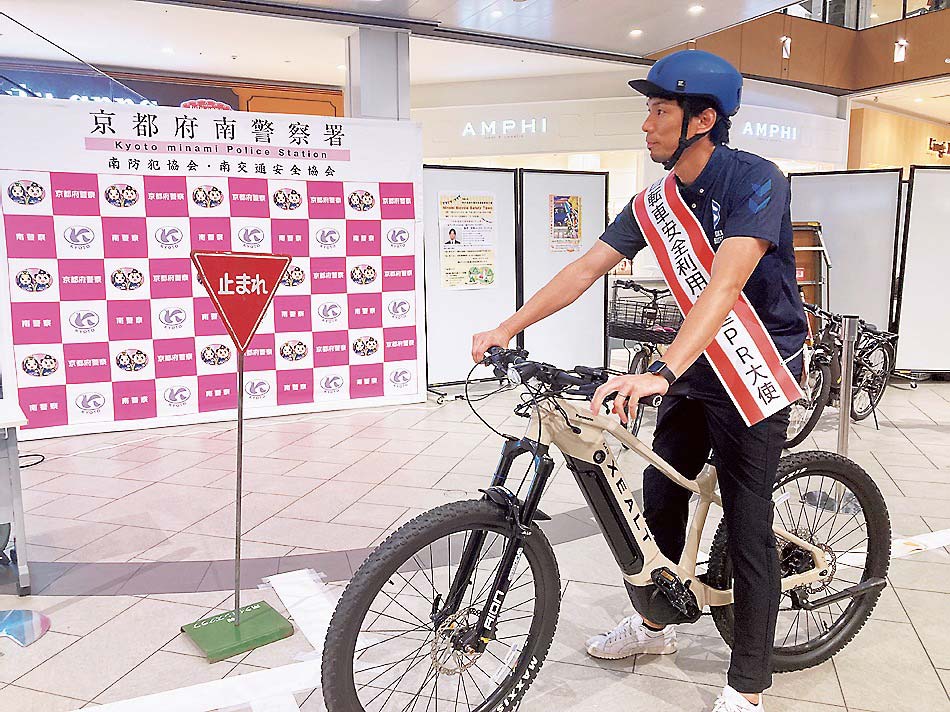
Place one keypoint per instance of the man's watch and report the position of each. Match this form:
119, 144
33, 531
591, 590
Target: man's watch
658, 368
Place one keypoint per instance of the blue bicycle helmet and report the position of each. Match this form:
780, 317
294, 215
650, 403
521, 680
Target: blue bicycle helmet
693, 73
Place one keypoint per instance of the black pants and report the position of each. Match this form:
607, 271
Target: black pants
696, 415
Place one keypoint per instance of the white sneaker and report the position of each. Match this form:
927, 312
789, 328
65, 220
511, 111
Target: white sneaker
732, 701
631, 637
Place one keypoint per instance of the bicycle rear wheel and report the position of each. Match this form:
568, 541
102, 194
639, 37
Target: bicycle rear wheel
830, 502
871, 379
383, 652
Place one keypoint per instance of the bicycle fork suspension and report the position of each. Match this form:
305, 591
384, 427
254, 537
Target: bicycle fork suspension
519, 517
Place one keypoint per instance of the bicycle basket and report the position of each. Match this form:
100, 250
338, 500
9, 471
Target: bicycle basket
643, 321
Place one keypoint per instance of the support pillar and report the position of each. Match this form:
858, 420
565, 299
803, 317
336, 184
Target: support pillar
377, 79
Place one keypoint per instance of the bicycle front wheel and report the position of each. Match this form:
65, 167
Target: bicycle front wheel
804, 414
871, 380
383, 651
830, 502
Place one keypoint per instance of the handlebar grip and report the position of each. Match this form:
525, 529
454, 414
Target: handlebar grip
648, 401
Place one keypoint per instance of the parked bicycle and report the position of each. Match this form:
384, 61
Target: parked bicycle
650, 325
458, 607
874, 357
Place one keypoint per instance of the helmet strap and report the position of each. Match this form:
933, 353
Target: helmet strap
684, 142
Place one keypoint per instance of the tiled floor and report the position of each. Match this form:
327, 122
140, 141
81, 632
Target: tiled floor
318, 486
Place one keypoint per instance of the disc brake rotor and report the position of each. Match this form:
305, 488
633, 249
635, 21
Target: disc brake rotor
795, 560
823, 583
448, 658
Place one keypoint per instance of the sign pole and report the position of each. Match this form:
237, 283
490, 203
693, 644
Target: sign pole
237, 501
241, 286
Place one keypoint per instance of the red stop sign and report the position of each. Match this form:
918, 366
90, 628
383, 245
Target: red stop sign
241, 286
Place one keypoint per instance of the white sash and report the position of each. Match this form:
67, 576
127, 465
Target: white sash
743, 354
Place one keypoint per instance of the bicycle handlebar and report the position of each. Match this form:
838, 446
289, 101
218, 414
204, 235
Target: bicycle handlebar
864, 326
584, 379
637, 287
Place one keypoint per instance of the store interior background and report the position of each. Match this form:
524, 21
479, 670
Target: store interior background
151, 52
482, 106
449, 79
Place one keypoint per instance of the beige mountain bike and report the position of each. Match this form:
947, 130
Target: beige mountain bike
456, 610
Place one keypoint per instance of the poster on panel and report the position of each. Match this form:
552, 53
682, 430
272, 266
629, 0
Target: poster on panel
468, 236
109, 325
565, 233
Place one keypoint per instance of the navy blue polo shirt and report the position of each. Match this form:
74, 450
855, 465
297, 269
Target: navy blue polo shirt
739, 194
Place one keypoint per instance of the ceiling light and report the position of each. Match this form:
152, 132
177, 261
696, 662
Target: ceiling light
696, 9
341, 67
168, 50
497, 13
636, 33
918, 100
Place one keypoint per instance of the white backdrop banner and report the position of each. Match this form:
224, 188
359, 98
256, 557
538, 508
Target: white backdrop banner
109, 325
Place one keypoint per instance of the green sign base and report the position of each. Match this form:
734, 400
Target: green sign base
219, 639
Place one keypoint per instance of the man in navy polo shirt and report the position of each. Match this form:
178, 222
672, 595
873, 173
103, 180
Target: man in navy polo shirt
742, 202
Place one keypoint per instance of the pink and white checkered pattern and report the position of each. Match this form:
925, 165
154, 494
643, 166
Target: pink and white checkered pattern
109, 321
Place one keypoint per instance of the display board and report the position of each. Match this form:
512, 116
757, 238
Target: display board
111, 329
858, 212
924, 343
454, 311
576, 335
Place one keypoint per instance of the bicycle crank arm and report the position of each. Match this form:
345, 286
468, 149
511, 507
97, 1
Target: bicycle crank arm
861, 589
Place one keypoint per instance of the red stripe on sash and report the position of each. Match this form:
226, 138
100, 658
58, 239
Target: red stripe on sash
720, 361
742, 308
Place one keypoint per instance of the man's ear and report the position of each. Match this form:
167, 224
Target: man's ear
704, 120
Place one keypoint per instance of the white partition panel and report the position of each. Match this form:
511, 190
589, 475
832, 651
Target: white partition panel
858, 212
453, 315
924, 343
574, 335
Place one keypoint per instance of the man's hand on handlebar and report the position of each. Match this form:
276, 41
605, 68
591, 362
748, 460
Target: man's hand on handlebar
484, 340
629, 389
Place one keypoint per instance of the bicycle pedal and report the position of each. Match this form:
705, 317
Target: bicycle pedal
676, 592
